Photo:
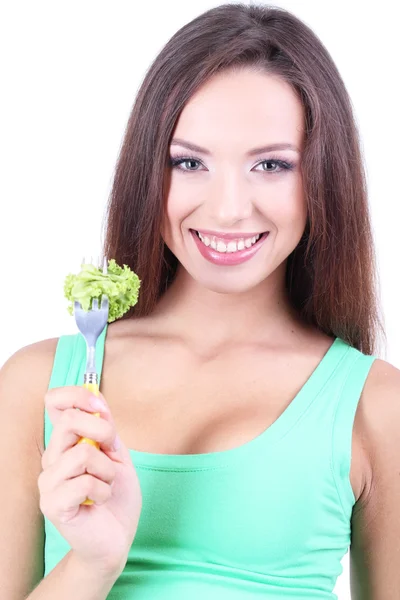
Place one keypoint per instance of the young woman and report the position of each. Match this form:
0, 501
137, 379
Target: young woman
257, 431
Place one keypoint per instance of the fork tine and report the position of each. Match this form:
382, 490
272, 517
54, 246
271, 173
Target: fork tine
95, 304
105, 266
104, 302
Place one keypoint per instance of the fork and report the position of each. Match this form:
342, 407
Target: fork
91, 324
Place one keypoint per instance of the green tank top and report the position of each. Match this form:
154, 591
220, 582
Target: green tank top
268, 519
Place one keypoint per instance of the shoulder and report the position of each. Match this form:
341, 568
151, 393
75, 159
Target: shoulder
24, 380
383, 374
33, 361
379, 406
375, 552
378, 419
382, 388
39, 354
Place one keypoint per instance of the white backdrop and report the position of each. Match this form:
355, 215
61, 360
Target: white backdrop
70, 72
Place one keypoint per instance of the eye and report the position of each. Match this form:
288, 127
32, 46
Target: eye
177, 161
278, 165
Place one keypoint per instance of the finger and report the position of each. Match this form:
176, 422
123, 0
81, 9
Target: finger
79, 460
74, 396
64, 502
71, 427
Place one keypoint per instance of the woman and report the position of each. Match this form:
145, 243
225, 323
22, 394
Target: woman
257, 432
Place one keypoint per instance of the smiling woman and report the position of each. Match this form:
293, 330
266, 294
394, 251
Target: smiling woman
243, 190
252, 129
249, 404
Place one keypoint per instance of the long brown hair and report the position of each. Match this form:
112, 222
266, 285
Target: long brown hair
331, 275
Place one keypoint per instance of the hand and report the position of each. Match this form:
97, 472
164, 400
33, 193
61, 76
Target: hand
101, 534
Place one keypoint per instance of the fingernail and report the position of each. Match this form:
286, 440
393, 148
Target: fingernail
117, 443
97, 403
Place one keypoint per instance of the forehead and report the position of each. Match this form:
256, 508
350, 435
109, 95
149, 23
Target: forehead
242, 105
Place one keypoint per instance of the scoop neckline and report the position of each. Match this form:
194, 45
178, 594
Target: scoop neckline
268, 437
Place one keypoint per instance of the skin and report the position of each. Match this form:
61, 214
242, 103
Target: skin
232, 192
232, 330
220, 358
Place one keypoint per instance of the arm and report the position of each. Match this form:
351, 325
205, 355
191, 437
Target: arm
71, 579
24, 380
375, 546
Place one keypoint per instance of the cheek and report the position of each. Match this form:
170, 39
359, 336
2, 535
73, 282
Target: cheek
295, 206
294, 220
180, 204
174, 214
285, 207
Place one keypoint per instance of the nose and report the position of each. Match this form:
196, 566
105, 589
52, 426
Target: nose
229, 200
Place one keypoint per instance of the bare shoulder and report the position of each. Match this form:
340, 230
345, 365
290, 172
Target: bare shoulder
31, 354
375, 552
378, 413
34, 351
34, 361
382, 376
24, 379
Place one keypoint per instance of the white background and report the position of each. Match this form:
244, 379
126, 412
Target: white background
69, 75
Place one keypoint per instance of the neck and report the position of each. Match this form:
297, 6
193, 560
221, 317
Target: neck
212, 319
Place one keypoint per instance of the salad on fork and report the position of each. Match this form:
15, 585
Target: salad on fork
117, 290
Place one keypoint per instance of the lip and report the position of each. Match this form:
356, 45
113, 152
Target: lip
228, 236
228, 258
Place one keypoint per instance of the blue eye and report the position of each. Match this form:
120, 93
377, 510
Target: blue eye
176, 162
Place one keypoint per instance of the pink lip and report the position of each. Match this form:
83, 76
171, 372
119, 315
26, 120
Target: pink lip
228, 258
228, 236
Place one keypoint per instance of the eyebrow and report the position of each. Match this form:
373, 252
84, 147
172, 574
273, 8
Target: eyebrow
252, 152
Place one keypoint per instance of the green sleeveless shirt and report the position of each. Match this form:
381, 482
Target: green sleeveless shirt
268, 519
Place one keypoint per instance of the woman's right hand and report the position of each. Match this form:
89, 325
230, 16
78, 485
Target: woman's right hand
100, 534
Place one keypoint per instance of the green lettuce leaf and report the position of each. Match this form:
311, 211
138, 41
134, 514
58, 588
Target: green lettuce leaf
121, 285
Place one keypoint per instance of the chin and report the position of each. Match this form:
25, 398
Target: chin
228, 285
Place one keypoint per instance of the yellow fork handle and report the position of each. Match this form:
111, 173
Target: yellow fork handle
94, 388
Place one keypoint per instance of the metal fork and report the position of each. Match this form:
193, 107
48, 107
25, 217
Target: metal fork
91, 323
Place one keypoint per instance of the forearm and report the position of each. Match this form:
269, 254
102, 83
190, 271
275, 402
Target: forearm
72, 579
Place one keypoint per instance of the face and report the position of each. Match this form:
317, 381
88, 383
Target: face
234, 211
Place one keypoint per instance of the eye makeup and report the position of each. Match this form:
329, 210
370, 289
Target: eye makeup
177, 161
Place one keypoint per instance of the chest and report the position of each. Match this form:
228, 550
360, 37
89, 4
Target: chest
172, 403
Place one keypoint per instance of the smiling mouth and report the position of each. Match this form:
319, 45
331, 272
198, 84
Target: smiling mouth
230, 246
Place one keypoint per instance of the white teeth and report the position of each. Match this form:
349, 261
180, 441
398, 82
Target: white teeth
231, 246
221, 247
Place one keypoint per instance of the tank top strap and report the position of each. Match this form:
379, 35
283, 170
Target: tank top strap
358, 367
69, 366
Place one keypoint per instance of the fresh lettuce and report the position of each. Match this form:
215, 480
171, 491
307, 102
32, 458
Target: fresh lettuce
121, 285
